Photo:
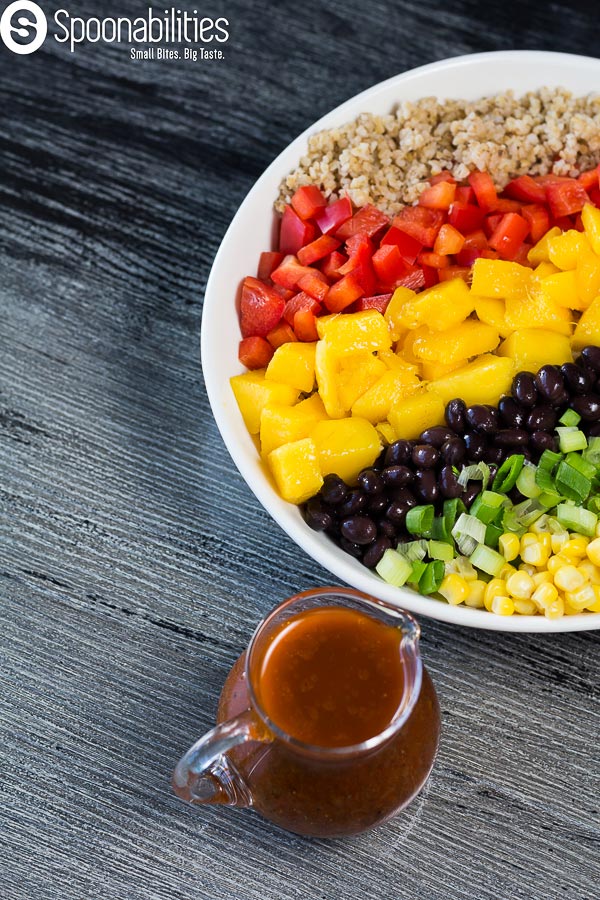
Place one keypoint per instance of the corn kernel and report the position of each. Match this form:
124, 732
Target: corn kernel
590, 571
570, 610
525, 607
503, 606
576, 546
525, 567
568, 578
559, 562
595, 606
476, 592
593, 551
506, 571
556, 609
494, 588
520, 585
543, 577
558, 541
454, 589
509, 546
544, 595
540, 526
582, 598
545, 539
533, 551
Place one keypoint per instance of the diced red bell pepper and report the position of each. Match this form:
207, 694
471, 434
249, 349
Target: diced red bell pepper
527, 189
294, 232
594, 195
444, 175
521, 256
433, 260
331, 265
564, 223
283, 292
485, 190
538, 219
308, 200
305, 325
261, 308
468, 255
421, 223
281, 334
360, 250
266, 263
255, 352
579, 223
439, 196
409, 247
465, 217
566, 198
332, 217
389, 264
551, 178
506, 205
379, 302
289, 272
509, 234
430, 276
490, 223
451, 272
465, 194
590, 179
315, 285
476, 238
449, 240
318, 249
490, 254
300, 301
343, 293
368, 221
414, 279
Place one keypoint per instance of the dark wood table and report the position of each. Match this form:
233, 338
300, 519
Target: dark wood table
135, 562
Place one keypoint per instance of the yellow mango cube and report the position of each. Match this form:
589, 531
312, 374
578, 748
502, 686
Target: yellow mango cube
565, 249
461, 342
411, 416
587, 330
492, 311
536, 310
293, 363
354, 332
562, 290
587, 274
285, 424
499, 278
541, 252
357, 374
397, 363
296, 470
439, 307
532, 348
590, 216
253, 392
345, 446
484, 380
327, 369
375, 403
431, 371
393, 313
385, 432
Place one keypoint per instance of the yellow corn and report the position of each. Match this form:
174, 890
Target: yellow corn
555, 563
525, 567
545, 539
503, 606
568, 578
506, 571
476, 592
543, 577
558, 541
576, 546
494, 588
584, 597
556, 609
509, 546
520, 585
525, 607
454, 589
533, 549
544, 595
593, 551
589, 571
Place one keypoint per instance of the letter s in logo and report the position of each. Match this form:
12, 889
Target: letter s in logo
32, 24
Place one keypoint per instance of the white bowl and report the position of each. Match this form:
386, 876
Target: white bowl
251, 232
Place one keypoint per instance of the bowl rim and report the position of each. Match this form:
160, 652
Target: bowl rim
348, 570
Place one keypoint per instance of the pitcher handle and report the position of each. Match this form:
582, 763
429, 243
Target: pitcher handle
205, 775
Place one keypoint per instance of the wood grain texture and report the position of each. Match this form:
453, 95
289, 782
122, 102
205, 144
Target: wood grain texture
135, 562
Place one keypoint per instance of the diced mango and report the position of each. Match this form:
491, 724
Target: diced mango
357, 374
296, 470
565, 249
375, 403
404, 348
294, 363
345, 446
499, 278
385, 432
540, 252
393, 313
532, 348
413, 415
587, 330
353, 332
327, 370
492, 311
590, 216
536, 311
484, 380
544, 270
461, 342
253, 392
587, 274
284, 424
439, 307
397, 363
561, 290
433, 370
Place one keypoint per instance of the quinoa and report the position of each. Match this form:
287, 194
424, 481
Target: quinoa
387, 160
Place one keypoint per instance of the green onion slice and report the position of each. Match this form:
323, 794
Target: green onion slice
576, 518
394, 568
419, 519
487, 560
571, 438
570, 418
507, 474
431, 579
572, 483
478, 472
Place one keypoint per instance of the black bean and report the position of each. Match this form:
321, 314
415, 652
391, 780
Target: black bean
577, 379
436, 436
454, 451
424, 456
398, 453
511, 413
511, 437
386, 529
472, 489
475, 445
541, 418
397, 476
588, 406
356, 502
334, 490
448, 481
494, 455
371, 481
396, 512
359, 529
378, 504
455, 415
524, 389
376, 551
484, 419
316, 516
550, 384
426, 486
591, 356
350, 547
595, 430
404, 496
541, 440
493, 467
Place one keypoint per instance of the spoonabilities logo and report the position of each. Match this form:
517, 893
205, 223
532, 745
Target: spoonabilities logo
25, 19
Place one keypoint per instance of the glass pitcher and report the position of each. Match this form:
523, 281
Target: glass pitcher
247, 760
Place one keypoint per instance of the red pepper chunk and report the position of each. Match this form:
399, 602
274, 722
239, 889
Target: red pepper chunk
527, 189
318, 249
281, 334
439, 196
420, 223
308, 200
508, 235
315, 285
465, 217
294, 233
379, 302
343, 293
368, 221
565, 198
331, 265
261, 308
448, 241
538, 219
305, 326
485, 190
255, 352
267, 262
301, 302
409, 247
389, 264
333, 216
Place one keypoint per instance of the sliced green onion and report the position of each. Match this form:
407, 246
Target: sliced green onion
549, 499
570, 418
413, 550
468, 532
592, 451
519, 517
478, 472
549, 460
431, 579
394, 568
492, 535
487, 506
571, 483
507, 474
570, 438
576, 518
418, 568
460, 565
452, 510
487, 560
593, 505
441, 550
419, 519
554, 526
440, 530
582, 465
526, 481
544, 479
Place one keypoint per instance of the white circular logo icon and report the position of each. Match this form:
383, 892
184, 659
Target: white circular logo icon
24, 19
